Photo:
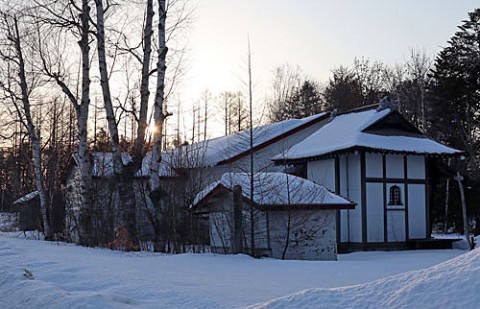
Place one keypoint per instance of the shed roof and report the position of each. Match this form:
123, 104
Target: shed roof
351, 130
26, 198
276, 190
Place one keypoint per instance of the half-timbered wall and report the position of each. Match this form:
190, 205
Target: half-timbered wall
368, 179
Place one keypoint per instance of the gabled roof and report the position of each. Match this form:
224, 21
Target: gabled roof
275, 191
362, 130
216, 151
226, 149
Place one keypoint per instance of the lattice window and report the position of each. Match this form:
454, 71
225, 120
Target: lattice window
395, 196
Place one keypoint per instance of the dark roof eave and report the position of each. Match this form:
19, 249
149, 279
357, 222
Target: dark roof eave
283, 207
284, 161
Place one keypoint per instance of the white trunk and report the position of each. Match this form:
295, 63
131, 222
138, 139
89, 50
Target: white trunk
466, 232
85, 224
124, 174
159, 116
34, 137
144, 91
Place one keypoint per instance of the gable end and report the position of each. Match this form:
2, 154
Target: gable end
394, 124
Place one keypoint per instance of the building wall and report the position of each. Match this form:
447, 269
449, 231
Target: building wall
105, 209
373, 216
408, 219
312, 232
353, 190
322, 172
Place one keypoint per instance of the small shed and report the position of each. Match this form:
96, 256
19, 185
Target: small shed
293, 218
28, 208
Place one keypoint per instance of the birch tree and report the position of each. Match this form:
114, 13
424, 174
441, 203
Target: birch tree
18, 91
53, 20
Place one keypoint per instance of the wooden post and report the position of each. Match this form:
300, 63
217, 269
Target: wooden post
237, 244
445, 228
464, 210
447, 196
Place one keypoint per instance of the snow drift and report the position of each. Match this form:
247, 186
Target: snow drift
451, 284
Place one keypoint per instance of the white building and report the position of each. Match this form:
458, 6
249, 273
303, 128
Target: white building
379, 160
294, 218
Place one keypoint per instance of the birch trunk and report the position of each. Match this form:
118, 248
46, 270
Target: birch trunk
466, 232
159, 116
123, 174
85, 220
144, 91
34, 136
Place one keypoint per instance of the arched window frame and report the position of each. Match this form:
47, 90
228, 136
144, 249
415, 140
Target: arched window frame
395, 197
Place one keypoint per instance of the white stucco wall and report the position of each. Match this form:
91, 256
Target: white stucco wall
312, 236
416, 167
374, 165
312, 232
322, 172
355, 194
375, 220
417, 216
396, 225
394, 166
350, 187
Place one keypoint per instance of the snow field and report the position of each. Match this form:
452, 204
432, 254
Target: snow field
68, 276
451, 284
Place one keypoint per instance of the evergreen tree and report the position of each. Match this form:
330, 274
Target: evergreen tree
343, 91
455, 89
303, 101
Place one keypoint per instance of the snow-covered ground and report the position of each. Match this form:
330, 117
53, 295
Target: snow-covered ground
451, 284
67, 276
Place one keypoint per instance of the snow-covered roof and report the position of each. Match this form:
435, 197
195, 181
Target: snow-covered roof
26, 198
206, 153
277, 189
346, 131
103, 164
216, 150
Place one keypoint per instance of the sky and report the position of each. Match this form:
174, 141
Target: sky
317, 35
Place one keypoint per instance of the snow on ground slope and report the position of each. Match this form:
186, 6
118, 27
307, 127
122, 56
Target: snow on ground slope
451, 284
68, 276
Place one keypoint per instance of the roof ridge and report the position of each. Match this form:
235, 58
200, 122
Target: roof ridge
359, 109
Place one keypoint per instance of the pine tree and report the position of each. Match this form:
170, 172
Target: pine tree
455, 89
303, 101
343, 91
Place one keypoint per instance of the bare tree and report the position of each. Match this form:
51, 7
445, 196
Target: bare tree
234, 115
52, 17
19, 91
286, 79
250, 106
